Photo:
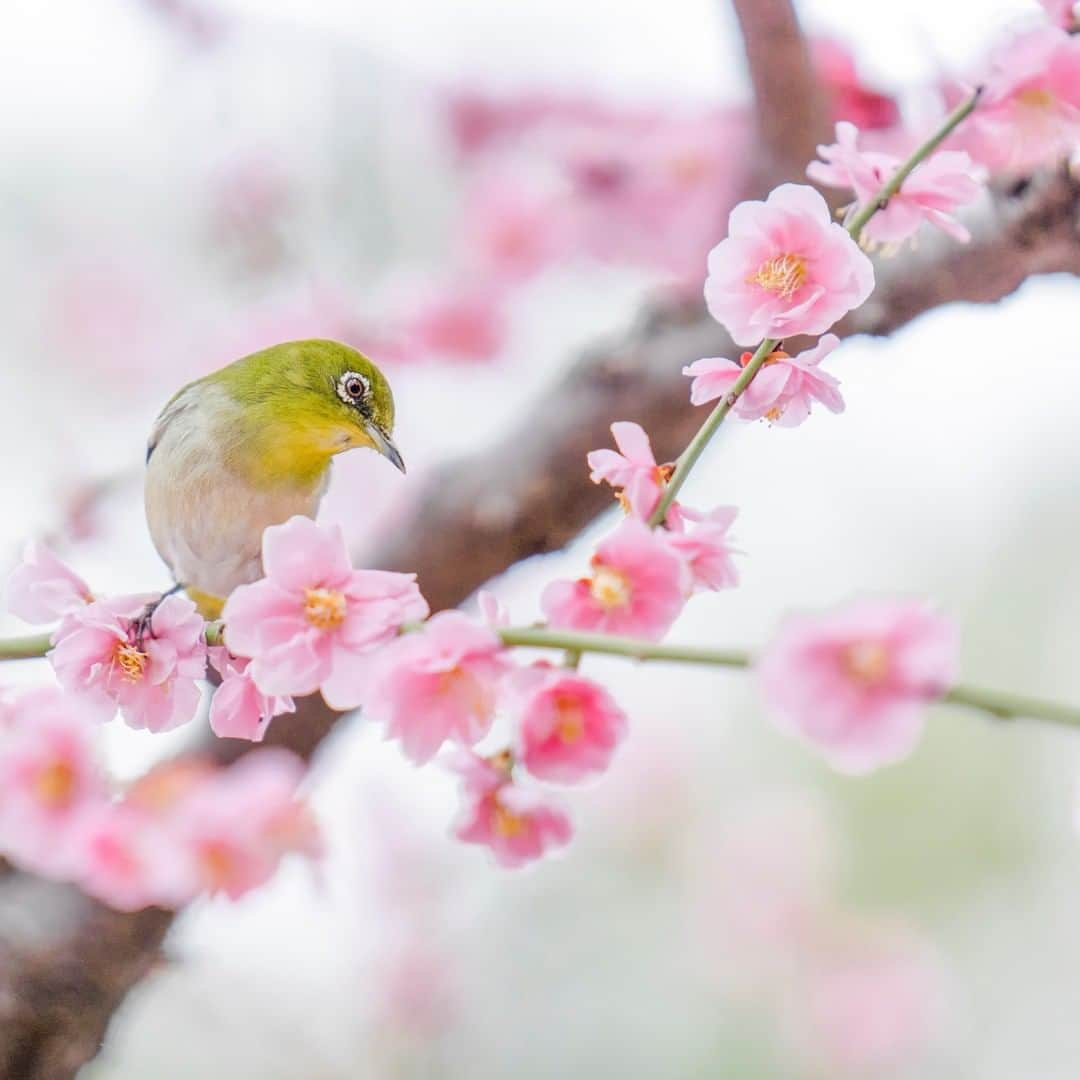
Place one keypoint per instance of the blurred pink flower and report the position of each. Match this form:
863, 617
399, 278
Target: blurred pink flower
436, 684
518, 825
41, 588
49, 777
783, 391
239, 709
872, 1005
1061, 13
935, 187
854, 682
232, 829
706, 547
491, 609
850, 98
97, 655
633, 469
569, 727
785, 268
1030, 109
637, 587
308, 622
456, 322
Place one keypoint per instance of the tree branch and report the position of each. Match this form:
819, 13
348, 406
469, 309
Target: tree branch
66, 962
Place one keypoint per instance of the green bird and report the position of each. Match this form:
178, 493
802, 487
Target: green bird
250, 446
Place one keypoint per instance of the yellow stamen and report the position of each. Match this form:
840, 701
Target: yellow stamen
55, 783
774, 414
218, 864
1035, 98
507, 823
609, 588
324, 608
467, 688
866, 662
784, 274
131, 661
570, 724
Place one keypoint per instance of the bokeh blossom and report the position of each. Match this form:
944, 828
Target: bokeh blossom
42, 589
569, 726
855, 682
703, 542
785, 268
436, 684
784, 390
637, 587
933, 190
309, 621
239, 709
151, 673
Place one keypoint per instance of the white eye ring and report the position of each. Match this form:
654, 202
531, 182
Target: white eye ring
343, 383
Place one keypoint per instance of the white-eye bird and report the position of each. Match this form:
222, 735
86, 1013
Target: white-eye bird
250, 446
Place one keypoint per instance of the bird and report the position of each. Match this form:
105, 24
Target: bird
251, 445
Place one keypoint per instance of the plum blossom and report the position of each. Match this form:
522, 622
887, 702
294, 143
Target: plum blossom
785, 268
705, 546
569, 727
518, 825
309, 621
436, 684
637, 587
784, 390
850, 97
49, 777
1061, 13
239, 709
854, 682
632, 469
152, 676
1029, 113
930, 193
42, 589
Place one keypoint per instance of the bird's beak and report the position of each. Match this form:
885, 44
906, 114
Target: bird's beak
385, 446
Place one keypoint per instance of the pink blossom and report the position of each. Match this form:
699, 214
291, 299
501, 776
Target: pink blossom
456, 322
1061, 13
233, 829
935, 187
1029, 113
633, 469
309, 621
437, 684
239, 709
518, 825
785, 268
49, 776
41, 588
783, 390
850, 97
637, 587
492, 609
569, 727
98, 655
854, 682
706, 547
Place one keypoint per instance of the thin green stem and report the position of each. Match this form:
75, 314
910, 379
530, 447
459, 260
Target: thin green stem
962, 111
1006, 706
689, 457
25, 648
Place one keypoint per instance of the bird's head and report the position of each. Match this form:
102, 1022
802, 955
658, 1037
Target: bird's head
312, 399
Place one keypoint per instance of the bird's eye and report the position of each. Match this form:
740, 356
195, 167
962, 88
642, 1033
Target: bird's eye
352, 387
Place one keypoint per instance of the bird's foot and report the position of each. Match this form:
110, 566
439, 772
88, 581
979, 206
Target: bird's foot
143, 624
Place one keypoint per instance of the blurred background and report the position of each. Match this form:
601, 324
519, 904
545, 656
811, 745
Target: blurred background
473, 192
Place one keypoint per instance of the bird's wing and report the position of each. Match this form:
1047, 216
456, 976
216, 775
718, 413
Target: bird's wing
181, 402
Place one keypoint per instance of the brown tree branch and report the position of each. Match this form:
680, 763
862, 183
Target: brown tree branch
790, 111
66, 962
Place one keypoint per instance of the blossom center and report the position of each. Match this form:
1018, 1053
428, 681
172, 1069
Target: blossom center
218, 863
324, 608
507, 824
782, 274
54, 784
131, 660
468, 689
609, 588
866, 662
1035, 97
569, 719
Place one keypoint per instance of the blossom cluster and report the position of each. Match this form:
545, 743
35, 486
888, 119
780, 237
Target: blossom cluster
853, 683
